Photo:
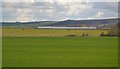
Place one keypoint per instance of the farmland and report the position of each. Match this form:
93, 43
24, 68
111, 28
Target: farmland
48, 33
60, 52
52, 48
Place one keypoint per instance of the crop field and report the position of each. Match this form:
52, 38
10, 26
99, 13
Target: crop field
48, 32
60, 51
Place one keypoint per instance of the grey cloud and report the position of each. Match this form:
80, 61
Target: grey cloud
112, 6
8, 14
57, 10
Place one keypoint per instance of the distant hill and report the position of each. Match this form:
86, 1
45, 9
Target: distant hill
27, 24
95, 22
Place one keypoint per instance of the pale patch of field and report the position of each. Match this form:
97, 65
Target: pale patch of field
0, 31
48, 32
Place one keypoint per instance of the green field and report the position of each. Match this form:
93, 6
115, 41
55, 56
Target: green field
60, 52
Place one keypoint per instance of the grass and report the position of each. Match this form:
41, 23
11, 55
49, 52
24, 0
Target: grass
0, 52
60, 52
47, 32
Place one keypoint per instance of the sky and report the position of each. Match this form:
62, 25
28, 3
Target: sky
57, 10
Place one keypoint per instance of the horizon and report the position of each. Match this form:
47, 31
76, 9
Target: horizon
62, 20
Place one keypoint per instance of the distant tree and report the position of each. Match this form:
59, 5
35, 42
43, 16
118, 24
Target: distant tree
113, 30
83, 34
102, 34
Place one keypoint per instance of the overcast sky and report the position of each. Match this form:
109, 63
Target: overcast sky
32, 10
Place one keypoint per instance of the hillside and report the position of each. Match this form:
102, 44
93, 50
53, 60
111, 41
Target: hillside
86, 22
27, 24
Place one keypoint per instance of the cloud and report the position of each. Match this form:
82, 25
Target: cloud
59, 10
60, 1
99, 14
22, 15
18, 1
111, 6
